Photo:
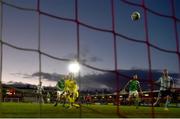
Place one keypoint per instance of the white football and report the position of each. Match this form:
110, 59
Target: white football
135, 16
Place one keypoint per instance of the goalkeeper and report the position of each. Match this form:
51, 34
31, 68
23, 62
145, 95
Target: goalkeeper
60, 91
71, 88
134, 86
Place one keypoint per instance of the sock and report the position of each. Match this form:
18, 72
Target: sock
167, 103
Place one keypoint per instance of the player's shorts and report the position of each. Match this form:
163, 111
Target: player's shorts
164, 93
59, 93
133, 93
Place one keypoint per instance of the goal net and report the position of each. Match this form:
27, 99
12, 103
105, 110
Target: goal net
40, 38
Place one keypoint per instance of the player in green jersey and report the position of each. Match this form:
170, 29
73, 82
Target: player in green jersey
133, 87
60, 91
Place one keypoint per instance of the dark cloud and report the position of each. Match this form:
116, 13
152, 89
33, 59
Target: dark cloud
22, 75
105, 80
85, 56
48, 76
95, 59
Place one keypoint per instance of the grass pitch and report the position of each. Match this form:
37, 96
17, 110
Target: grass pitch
31, 110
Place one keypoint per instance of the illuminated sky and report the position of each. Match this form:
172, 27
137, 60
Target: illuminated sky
58, 37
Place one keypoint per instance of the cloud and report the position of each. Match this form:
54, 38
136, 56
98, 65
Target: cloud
95, 59
23, 75
46, 76
104, 80
17, 83
84, 55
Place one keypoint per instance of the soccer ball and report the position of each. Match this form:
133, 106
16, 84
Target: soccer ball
135, 16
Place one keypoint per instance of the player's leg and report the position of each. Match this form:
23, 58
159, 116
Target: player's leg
158, 98
70, 99
58, 94
74, 94
129, 97
137, 99
68, 96
167, 93
63, 98
167, 102
56, 102
41, 98
75, 97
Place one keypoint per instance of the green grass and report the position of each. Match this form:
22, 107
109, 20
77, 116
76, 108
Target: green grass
28, 110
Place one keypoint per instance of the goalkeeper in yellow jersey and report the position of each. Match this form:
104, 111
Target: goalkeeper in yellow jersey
71, 88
